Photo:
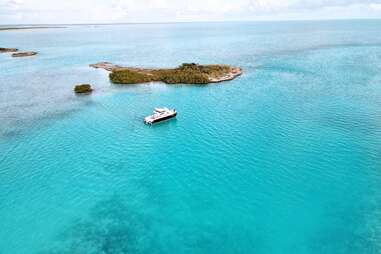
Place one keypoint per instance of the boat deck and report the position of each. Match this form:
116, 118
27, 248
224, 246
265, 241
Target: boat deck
159, 115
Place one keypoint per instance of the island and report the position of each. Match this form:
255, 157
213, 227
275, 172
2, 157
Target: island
187, 73
24, 54
83, 89
7, 50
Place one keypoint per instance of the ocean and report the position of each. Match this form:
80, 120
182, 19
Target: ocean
284, 159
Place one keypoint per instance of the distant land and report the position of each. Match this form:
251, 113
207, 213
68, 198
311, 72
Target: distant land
28, 27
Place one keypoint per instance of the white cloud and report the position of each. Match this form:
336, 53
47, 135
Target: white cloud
14, 4
85, 11
376, 7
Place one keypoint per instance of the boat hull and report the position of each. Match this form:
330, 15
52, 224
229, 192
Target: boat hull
162, 119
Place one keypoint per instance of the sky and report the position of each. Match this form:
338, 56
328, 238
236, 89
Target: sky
115, 11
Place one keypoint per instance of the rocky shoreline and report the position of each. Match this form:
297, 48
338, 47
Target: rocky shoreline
15, 52
24, 54
8, 50
187, 73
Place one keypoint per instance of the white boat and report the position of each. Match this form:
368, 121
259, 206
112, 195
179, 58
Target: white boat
160, 114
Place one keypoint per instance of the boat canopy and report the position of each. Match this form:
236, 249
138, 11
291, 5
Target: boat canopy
161, 110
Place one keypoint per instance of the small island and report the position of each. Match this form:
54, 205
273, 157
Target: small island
8, 50
187, 73
24, 54
83, 89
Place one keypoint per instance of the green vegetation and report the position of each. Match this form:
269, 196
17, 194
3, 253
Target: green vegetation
127, 76
187, 73
84, 88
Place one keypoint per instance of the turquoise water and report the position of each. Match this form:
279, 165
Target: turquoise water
284, 159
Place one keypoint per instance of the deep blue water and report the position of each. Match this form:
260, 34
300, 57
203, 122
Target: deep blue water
284, 159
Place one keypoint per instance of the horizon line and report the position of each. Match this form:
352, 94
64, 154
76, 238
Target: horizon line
189, 21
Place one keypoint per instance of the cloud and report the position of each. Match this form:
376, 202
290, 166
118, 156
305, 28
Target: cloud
87, 11
293, 5
14, 4
311, 4
376, 7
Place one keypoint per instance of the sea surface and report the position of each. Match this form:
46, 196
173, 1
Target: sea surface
284, 159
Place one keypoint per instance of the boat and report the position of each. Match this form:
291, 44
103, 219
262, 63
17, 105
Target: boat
159, 115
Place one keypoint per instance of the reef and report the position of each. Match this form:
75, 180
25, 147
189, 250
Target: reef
83, 88
116, 225
187, 73
111, 227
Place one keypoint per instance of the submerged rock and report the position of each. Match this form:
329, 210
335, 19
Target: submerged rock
83, 88
7, 50
23, 54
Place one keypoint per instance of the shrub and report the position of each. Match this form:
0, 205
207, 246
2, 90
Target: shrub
126, 76
84, 88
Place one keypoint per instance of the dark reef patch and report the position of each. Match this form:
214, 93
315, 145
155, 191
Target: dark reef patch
355, 237
113, 226
110, 228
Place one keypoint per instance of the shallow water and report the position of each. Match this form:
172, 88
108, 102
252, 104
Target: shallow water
284, 159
